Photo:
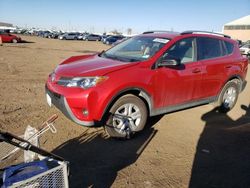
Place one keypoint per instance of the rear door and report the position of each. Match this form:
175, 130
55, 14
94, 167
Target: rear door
181, 84
210, 55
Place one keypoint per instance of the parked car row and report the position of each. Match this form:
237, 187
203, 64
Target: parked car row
106, 39
245, 50
48, 34
80, 36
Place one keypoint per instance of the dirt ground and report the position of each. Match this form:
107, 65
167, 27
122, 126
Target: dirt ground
197, 147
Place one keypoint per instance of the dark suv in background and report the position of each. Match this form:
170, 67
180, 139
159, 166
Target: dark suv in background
147, 75
112, 39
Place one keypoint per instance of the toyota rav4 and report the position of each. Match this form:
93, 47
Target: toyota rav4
147, 75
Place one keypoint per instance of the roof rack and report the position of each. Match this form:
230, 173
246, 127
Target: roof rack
204, 32
159, 31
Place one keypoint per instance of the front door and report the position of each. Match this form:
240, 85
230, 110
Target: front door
179, 84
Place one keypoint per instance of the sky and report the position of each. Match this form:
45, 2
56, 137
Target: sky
139, 15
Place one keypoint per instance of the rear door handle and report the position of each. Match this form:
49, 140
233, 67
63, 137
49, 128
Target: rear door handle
228, 66
196, 70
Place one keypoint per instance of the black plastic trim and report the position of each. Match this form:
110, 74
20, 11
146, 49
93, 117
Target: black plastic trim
142, 93
174, 108
206, 32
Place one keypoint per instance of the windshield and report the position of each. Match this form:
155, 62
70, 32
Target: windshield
136, 49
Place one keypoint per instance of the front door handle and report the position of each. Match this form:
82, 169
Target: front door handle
196, 70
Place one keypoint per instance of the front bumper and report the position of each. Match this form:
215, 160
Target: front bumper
61, 103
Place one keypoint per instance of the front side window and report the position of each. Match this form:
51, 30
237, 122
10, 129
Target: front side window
136, 49
208, 48
183, 51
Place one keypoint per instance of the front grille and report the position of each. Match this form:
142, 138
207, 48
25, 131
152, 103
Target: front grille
56, 95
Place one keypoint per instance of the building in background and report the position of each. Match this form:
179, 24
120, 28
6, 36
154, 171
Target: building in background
6, 26
238, 29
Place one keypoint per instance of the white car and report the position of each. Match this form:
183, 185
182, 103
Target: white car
245, 50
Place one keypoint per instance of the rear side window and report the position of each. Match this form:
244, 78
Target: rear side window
209, 48
229, 47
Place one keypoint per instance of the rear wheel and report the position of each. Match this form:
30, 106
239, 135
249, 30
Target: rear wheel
127, 115
228, 96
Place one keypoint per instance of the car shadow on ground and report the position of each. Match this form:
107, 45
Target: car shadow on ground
222, 156
25, 41
95, 159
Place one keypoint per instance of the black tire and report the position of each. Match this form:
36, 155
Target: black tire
116, 114
228, 96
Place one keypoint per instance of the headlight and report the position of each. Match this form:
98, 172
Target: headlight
82, 82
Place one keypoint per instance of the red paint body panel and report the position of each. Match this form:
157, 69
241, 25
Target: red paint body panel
89, 65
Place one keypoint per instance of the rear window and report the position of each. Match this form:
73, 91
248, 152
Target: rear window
209, 48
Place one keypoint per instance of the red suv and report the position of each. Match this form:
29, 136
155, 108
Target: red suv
6, 37
147, 75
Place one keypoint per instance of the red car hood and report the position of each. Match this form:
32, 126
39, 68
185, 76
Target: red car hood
90, 66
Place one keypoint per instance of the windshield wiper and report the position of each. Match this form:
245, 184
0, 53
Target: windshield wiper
102, 53
123, 59
112, 57
133, 60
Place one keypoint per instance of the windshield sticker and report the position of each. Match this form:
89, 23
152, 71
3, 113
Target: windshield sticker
145, 56
164, 41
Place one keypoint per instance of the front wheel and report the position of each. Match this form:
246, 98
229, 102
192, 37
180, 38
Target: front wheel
228, 96
127, 115
14, 40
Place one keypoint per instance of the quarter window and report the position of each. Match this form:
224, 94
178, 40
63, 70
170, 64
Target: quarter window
229, 47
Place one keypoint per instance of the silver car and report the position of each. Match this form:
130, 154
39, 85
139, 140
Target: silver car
69, 36
92, 37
